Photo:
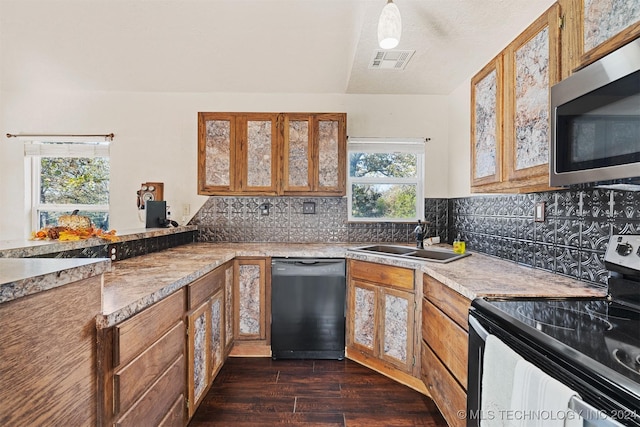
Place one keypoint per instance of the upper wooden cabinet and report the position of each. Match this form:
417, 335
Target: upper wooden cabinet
271, 153
510, 127
592, 29
314, 154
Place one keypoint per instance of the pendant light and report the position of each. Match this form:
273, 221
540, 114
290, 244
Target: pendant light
389, 26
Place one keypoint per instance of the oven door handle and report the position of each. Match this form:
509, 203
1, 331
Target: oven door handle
482, 332
592, 417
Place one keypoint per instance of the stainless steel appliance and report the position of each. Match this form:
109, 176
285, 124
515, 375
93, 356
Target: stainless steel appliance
590, 345
308, 308
595, 122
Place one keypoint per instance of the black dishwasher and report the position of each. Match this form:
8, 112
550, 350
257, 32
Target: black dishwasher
308, 308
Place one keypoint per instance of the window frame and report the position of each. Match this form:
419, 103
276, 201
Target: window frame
387, 145
36, 150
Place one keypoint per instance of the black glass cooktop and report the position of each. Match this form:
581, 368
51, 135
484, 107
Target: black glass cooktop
608, 333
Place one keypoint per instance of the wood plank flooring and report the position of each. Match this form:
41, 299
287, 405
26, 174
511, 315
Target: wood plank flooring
264, 392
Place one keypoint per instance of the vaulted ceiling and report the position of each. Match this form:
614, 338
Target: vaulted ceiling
263, 46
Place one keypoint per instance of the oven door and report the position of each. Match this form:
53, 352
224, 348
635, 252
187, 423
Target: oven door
480, 327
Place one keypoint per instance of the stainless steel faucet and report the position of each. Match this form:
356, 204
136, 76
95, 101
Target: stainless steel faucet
419, 231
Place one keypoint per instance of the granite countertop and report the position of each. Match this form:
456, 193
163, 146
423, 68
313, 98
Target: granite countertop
22, 277
136, 283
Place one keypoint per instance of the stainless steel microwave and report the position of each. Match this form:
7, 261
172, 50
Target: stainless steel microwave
595, 122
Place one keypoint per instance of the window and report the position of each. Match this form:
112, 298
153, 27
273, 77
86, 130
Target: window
66, 177
385, 180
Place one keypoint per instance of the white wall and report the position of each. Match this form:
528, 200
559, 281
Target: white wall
156, 138
459, 115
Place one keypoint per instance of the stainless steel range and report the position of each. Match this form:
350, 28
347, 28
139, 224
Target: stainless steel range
590, 345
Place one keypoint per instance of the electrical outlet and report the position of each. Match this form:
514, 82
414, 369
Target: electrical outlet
308, 207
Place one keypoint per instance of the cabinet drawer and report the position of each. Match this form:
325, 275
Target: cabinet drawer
382, 274
154, 405
134, 378
143, 329
448, 340
202, 288
446, 299
445, 391
175, 416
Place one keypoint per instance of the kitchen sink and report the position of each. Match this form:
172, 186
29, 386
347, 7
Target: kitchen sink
433, 254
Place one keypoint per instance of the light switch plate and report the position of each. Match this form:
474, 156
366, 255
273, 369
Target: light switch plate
538, 215
308, 207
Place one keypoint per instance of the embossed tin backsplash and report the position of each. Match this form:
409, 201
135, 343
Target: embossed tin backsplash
571, 241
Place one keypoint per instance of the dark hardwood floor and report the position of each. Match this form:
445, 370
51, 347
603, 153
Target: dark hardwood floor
263, 392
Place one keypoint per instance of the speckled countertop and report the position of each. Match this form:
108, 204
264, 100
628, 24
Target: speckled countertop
136, 283
22, 277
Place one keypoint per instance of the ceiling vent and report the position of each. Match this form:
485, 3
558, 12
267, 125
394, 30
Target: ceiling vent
390, 59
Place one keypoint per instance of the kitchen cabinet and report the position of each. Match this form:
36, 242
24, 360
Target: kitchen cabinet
381, 315
238, 153
592, 29
252, 305
444, 348
48, 356
510, 135
314, 153
141, 366
206, 328
271, 153
228, 307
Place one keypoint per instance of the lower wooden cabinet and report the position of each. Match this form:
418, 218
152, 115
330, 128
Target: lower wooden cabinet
206, 330
444, 350
141, 366
381, 313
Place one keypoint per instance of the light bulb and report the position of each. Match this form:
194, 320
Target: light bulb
389, 26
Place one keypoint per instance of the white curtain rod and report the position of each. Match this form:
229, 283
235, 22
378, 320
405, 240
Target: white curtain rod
108, 136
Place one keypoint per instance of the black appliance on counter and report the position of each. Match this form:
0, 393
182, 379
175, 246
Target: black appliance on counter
590, 345
308, 316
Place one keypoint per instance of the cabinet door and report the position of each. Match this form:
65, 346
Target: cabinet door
603, 26
397, 329
250, 302
228, 308
330, 151
531, 66
362, 317
198, 362
259, 159
216, 153
216, 333
486, 124
298, 153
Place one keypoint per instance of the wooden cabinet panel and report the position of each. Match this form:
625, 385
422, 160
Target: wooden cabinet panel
272, 153
330, 146
531, 67
216, 333
447, 300
197, 364
250, 276
397, 335
158, 400
201, 289
603, 26
175, 416
510, 123
447, 340
259, 159
134, 378
486, 124
363, 314
388, 275
228, 307
48, 356
216, 153
448, 395
140, 331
